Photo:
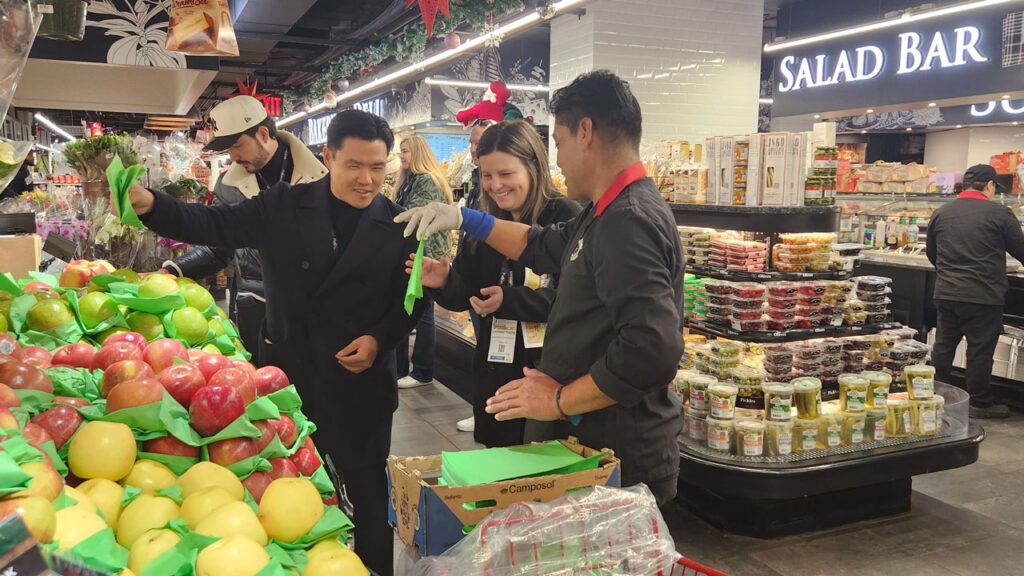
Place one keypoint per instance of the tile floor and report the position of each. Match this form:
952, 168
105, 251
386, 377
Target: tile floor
964, 522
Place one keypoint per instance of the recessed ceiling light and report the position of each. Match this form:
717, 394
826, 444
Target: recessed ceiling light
959, 125
863, 131
817, 115
871, 111
1006, 96
931, 104
909, 129
1016, 123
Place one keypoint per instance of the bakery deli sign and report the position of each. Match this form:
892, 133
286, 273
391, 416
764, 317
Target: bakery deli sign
963, 55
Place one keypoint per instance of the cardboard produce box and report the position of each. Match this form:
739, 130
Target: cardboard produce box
20, 254
432, 517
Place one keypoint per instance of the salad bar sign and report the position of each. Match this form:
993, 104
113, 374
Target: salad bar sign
955, 56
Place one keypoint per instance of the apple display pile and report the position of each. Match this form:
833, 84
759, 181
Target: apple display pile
143, 452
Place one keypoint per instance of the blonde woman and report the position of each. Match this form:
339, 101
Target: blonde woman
420, 182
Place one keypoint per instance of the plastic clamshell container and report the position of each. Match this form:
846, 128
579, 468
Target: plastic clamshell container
778, 438
749, 290
747, 303
720, 287
813, 288
724, 348
809, 351
783, 289
920, 381
778, 353
721, 434
780, 303
740, 314
750, 438
872, 283
746, 376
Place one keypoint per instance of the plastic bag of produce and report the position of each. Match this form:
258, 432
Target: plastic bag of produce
620, 530
12, 155
17, 32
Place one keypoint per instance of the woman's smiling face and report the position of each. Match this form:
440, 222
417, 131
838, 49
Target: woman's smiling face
505, 179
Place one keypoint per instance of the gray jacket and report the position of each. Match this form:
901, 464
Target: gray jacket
233, 187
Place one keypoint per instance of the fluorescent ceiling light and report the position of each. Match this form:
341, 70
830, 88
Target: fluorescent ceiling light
932, 104
766, 101
905, 19
375, 85
49, 124
1006, 96
959, 125
870, 111
485, 85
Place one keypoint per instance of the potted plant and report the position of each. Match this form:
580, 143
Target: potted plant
91, 156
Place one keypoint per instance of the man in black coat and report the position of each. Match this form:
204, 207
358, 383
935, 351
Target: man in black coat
333, 270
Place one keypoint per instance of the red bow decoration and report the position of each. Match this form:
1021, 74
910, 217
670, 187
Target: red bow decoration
429, 9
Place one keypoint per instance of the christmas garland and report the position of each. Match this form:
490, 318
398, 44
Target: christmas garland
409, 44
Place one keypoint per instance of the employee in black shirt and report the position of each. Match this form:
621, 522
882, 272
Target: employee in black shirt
22, 181
333, 268
968, 239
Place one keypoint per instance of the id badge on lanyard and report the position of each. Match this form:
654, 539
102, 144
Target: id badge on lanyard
503, 332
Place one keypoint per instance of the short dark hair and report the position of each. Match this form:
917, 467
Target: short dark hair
354, 123
269, 123
976, 185
604, 98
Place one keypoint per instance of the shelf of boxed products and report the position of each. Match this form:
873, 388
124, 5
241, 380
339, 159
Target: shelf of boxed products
767, 276
767, 219
793, 335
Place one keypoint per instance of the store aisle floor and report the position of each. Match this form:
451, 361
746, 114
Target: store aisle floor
964, 522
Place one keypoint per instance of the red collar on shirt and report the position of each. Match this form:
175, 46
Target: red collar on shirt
624, 179
972, 194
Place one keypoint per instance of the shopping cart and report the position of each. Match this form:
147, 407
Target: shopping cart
687, 567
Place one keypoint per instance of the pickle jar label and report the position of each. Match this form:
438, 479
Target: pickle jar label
879, 397
696, 428
833, 436
928, 420
753, 445
906, 421
809, 439
922, 387
781, 409
855, 400
722, 407
697, 399
785, 443
719, 440
879, 430
857, 433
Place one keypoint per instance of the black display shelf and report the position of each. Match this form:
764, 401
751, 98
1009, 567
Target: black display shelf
766, 219
738, 276
769, 501
790, 335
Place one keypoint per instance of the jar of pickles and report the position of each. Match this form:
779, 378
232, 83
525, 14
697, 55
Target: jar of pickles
699, 390
854, 425
830, 429
897, 421
920, 381
681, 384
722, 401
696, 424
874, 424
807, 397
878, 388
924, 416
805, 434
778, 401
720, 434
853, 392
778, 438
750, 438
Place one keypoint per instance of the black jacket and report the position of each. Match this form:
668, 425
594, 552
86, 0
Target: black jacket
967, 243
317, 304
479, 266
22, 182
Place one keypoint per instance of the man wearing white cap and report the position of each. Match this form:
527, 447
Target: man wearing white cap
261, 157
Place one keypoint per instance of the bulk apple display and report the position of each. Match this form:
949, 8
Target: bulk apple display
49, 314
33, 356
95, 308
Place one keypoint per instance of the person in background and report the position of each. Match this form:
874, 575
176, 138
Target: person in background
261, 156
476, 131
420, 182
516, 186
613, 341
968, 239
22, 181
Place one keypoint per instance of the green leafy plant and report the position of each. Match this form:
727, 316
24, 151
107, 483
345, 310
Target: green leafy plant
91, 156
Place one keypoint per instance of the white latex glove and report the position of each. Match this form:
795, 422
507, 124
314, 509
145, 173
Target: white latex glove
430, 219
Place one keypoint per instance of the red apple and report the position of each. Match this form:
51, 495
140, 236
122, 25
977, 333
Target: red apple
7, 344
123, 371
134, 393
7, 420
282, 468
181, 381
133, 337
194, 354
75, 275
36, 435
213, 408
72, 401
286, 430
245, 366
332, 500
256, 483
8, 397
115, 352
306, 461
171, 446
267, 433
78, 355
269, 379
22, 376
210, 364
308, 443
237, 379
35, 355
60, 422
163, 352
227, 452
42, 290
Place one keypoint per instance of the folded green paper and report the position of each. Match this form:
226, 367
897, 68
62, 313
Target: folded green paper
414, 291
472, 467
121, 180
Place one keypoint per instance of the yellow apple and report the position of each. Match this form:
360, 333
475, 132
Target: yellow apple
36, 512
150, 545
81, 498
150, 476
75, 524
144, 513
126, 572
233, 519
206, 474
106, 495
325, 546
232, 556
342, 562
45, 482
290, 508
199, 505
102, 450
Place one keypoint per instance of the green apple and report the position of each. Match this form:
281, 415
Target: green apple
149, 325
197, 297
211, 349
216, 326
184, 280
239, 347
96, 307
190, 324
157, 285
221, 313
48, 314
102, 336
3, 324
127, 275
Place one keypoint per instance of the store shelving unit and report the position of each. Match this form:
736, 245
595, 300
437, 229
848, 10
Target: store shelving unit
758, 219
794, 335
